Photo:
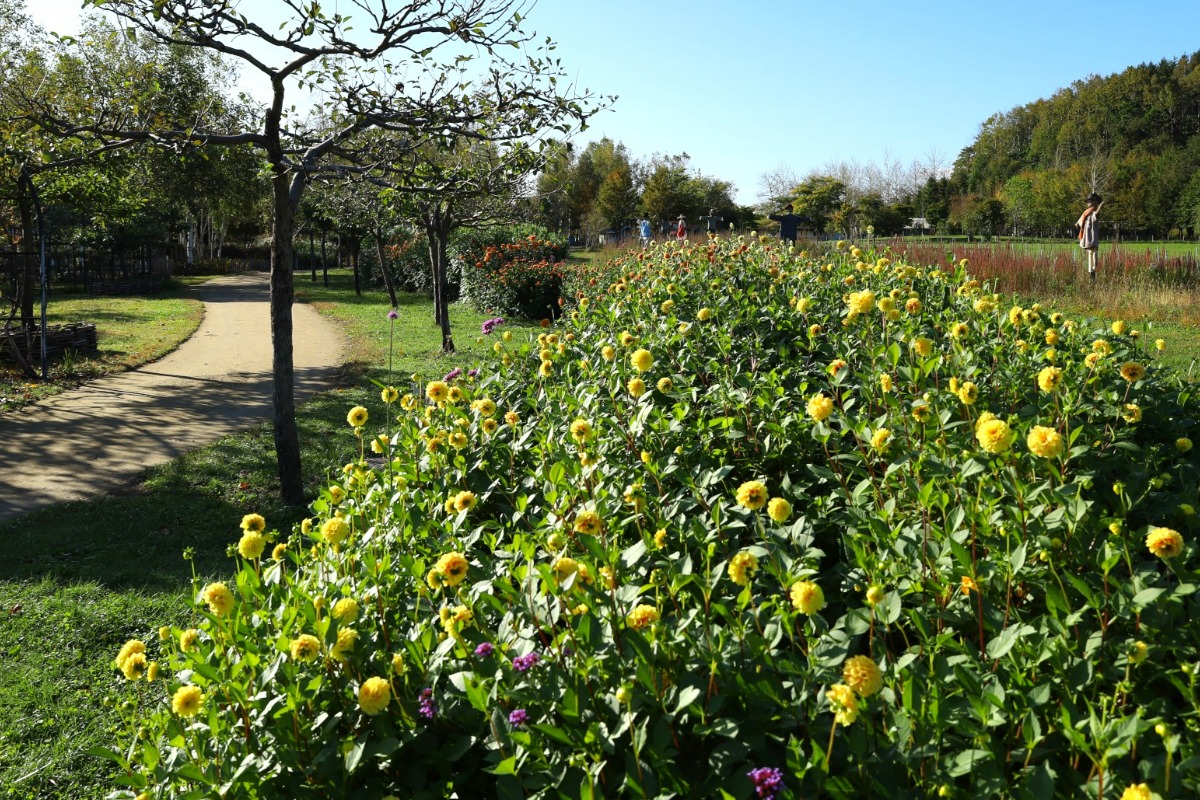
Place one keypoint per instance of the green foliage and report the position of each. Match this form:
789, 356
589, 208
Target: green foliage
511, 270
992, 622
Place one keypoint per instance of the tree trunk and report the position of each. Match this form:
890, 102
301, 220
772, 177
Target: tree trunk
442, 298
312, 254
29, 263
431, 240
324, 263
387, 278
354, 248
283, 396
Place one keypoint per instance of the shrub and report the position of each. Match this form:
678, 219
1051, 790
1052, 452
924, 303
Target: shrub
512, 271
746, 524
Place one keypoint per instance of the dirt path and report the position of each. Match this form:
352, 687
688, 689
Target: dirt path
98, 438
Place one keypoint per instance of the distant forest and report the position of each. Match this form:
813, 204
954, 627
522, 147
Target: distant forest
1134, 137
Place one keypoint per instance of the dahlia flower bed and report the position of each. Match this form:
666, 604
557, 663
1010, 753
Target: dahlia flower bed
748, 523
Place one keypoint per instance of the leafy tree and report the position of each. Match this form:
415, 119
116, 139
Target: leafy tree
818, 198
403, 67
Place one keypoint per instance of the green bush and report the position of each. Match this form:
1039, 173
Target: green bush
742, 512
511, 271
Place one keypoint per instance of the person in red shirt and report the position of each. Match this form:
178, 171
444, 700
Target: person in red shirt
1089, 236
681, 230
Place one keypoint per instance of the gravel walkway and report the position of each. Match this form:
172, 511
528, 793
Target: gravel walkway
99, 438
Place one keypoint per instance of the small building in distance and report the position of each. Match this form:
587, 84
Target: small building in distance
918, 225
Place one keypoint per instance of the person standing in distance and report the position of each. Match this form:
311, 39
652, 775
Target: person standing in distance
1089, 236
681, 230
644, 231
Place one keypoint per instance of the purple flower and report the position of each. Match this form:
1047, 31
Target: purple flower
768, 782
393, 314
517, 717
491, 325
474, 373
452, 374
428, 709
484, 650
526, 662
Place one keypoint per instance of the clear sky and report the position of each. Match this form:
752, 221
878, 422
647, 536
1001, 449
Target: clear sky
744, 86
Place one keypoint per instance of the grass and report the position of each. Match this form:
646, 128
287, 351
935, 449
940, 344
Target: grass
130, 331
79, 579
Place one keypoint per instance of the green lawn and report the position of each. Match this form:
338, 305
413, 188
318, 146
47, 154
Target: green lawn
129, 331
79, 579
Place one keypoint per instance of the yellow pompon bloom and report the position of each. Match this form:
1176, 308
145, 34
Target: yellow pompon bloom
923, 346
665, 385
188, 639
875, 595
186, 701
1045, 442
608, 352
660, 538
465, 500
357, 417
335, 530
306, 526
820, 407
642, 616
251, 545
452, 567
589, 523
912, 305
134, 666
1092, 359
389, 394
921, 411
1160, 345
862, 675
779, 510
969, 585
1137, 791
1131, 412
994, 435
880, 440
337, 494
886, 384
836, 366
345, 610
374, 695
434, 579
742, 567
1183, 444
546, 369
454, 395
581, 430
1049, 379
843, 703
485, 406
1138, 652
254, 522
218, 597
130, 648
152, 672
1164, 542
704, 314
563, 568
1102, 347
641, 359
305, 647
752, 495
437, 391
346, 637
511, 418
807, 597
489, 426
958, 330
861, 302
1119, 327
626, 338
1051, 337
1132, 371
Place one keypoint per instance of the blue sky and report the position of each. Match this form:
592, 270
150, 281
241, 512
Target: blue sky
745, 87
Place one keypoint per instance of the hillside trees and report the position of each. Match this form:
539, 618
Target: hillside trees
401, 67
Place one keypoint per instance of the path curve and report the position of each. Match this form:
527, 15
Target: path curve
98, 438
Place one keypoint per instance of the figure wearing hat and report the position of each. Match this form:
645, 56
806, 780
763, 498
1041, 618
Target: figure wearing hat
714, 222
681, 230
789, 223
1089, 236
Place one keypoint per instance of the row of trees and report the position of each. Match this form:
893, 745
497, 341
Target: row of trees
427, 110
602, 187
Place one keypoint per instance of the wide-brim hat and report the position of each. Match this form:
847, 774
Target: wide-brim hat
681, 216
